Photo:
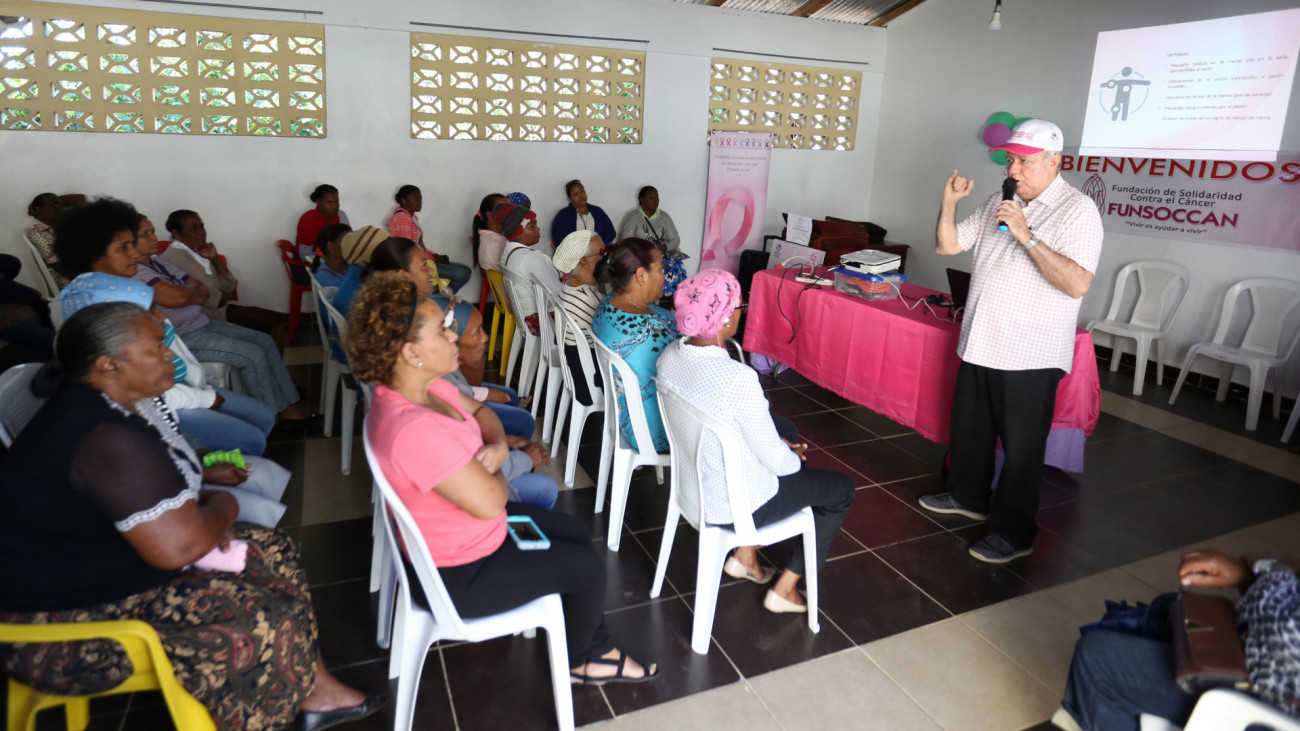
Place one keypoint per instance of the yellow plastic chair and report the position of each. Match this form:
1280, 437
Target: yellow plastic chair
153, 671
443, 285
502, 310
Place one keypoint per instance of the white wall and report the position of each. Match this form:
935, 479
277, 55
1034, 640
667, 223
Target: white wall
948, 72
250, 191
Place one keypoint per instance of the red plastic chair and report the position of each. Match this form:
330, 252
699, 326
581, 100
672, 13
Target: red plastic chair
289, 256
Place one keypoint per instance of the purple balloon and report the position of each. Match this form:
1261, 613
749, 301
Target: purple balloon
996, 134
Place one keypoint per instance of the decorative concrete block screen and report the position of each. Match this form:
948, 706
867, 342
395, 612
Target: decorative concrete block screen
466, 88
808, 108
85, 69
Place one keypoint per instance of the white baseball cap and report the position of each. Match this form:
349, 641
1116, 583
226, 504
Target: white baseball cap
1032, 136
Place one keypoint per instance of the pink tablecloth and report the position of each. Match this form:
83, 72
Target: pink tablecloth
897, 362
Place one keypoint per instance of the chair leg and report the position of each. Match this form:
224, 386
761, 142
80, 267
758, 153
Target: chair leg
810, 578
404, 613
1225, 380
387, 598
708, 576
1291, 424
607, 443
331, 395
528, 368
1277, 393
378, 552
576, 421
659, 473
621, 484
554, 385
507, 340
1141, 351
1160, 362
559, 657
665, 548
295, 310
414, 652
77, 711
1116, 352
1182, 374
1258, 379
493, 333
349, 413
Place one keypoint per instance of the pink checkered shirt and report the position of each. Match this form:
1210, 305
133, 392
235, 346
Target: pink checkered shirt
1015, 320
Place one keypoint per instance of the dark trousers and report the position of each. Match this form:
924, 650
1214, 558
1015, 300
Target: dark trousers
510, 577
455, 274
1114, 677
579, 383
1016, 407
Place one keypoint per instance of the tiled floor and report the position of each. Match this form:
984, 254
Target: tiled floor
915, 634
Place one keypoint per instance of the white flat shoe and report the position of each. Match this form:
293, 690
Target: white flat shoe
778, 604
736, 570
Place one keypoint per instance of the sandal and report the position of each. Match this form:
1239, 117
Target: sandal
651, 672
736, 570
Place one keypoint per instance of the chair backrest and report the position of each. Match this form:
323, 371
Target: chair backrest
48, 285
498, 285
552, 340
621, 380
17, 402
417, 551
340, 323
289, 257
322, 295
565, 323
686, 424
513, 285
1272, 300
1161, 288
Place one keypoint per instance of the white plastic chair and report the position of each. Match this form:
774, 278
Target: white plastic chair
416, 628
528, 360
17, 404
332, 369
349, 405
1291, 424
550, 377
578, 417
49, 288
1261, 347
686, 424
619, 378
1162, 286
1226, 710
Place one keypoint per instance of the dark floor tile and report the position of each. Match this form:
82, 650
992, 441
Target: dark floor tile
941, 566
660, 632
1044, 726
291, 456
682, 562
1054, 560
1113, 427
1096, 528
878, 518
53, 719
647, 501
432, 705
1138, 459
1207, 508
778, 554
789, 402
336, 551
922, 448
506, 684
869, 600
881, 426
911, 490
829, 428
346, 618
148, 718
880, 461
787, 377
825, 396
758, 641
629, 574
819, 459
581, 504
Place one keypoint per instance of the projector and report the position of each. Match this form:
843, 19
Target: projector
871, 261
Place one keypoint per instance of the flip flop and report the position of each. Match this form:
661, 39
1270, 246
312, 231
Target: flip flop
651, 672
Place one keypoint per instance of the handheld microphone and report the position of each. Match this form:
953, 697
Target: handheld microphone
1008, 192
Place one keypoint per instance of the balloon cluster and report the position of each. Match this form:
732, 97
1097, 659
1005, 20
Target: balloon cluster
998, 130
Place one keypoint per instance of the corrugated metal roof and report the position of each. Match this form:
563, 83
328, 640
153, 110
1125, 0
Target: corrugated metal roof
858, 12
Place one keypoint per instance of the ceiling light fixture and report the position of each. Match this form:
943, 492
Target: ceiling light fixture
996, 23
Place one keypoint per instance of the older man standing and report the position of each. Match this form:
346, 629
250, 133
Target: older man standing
1017, 334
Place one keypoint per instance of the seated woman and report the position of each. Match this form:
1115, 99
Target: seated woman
1116, 676
402, 222
103, 514
101, 236
580, 216
216, 417
523, 263
634, 328
503, 400
708, 311
193, 254
442, 452
46, 208
330, 267
653, 224
326, 198
491, 243
576, 257
26, 331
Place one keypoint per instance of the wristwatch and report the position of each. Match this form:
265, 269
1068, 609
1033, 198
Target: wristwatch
1032, 242
1264, 565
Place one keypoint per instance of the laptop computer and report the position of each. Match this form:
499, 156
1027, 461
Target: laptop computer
959, 286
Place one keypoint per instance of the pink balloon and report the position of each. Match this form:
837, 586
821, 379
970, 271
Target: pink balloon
996, 134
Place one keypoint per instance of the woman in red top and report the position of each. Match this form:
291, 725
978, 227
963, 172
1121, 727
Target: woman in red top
442, 452
326, 198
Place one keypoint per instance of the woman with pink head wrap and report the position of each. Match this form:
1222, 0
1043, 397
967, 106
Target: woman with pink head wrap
708, 308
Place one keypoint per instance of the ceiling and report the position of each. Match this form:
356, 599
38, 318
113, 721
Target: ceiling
857, 12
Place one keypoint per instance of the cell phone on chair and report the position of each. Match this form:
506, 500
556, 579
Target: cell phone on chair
526, 534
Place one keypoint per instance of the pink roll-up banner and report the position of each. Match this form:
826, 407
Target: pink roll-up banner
737, 199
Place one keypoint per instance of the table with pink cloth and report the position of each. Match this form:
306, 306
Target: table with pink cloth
898, 362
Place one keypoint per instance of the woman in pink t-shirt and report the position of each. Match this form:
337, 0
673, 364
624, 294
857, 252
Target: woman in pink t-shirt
442, 452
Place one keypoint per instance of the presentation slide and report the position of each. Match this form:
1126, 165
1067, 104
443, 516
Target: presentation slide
1212, 89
